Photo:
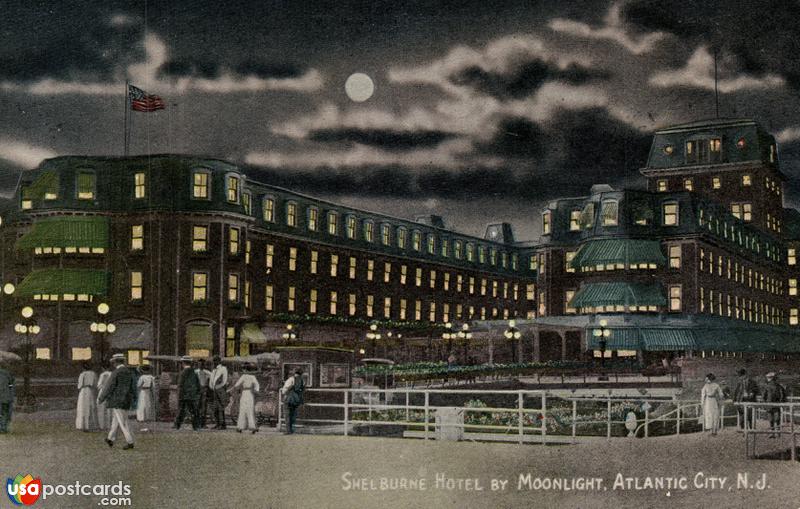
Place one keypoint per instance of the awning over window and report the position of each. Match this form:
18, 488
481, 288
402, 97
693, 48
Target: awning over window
132, 334
70, 231
620, 339
199, 336
668, 339
63, 281
618, 251
618, 294
252, 334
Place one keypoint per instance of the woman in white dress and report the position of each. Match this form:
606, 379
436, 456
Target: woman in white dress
711, 398
86, 416
248, 385
145, 407
103, 413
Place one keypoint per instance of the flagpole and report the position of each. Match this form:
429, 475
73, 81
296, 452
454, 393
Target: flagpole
125, 129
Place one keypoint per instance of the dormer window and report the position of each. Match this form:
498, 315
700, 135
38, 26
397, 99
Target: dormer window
313, 218
574, 220
747, 180
741, 144
704, 151
610, 212
291, 214
662, 186
716, 183
688, 184
546, 223
351, 227
232, 188
669, 149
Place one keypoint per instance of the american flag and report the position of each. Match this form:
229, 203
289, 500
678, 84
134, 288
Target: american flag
142, 101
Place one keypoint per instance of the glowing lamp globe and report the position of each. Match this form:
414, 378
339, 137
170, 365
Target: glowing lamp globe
111, 328
8, 288
102, 308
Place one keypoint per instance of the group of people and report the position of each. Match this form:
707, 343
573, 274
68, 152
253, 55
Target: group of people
746, 390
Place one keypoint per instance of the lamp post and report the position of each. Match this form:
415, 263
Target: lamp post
464, 335
290, 335
448, 336
101, 328
373, 336
602, 334
27, 327
513, 335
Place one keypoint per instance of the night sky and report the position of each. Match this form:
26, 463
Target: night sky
482, 110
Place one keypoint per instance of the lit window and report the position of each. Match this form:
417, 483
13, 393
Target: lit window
669, 149
26, 203
269, 297
670, 214
247, 294
247, 203
568, 295
313, 218
290, 298
741, 143
715, 149
431, 244
137, 237
470, 252
199, 286
609, 212
247, 247
792, 286
747, 180
773, 151
370, 306
312, 301
791, 256
370, 269
546, 223
747, 212
352, 272
675, 257
416, 240
574, 220
433, 279
432, 312
587, 215
481, 254
351, 304
662, 186
199, 238
445, 249
292, 259
333, 223
268, 206
81, 354
233, 287
387, 307
385, 234
675, 297
314, 261
387, 272
716, 182
270, 253
401, 237
200, 185
86, 185
351, 227
568, 257
334, 265
418, 277
793, 317
43, 354
291, 214
688, 184
403, 309
403, 274
233, 240
334, 302
542, 304
458, 249
136, 285
139, 189
736, 210
232, 188
369, 231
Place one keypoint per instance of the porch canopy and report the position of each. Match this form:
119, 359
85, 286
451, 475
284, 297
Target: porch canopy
618, 294
63, 281
66, 232
625, 252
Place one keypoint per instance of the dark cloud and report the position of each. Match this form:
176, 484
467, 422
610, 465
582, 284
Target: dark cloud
762, 36
516, 137
383, 138
524, 80
210, 69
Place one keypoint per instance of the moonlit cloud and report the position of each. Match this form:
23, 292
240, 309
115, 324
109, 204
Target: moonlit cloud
144, 74
23, 154
788, 134
612, 30
699, 73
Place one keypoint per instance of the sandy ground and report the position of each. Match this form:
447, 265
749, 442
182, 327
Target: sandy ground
268, 470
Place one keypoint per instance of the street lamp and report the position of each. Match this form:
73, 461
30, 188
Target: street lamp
464, 335
513, 335
602, 334
27, 327
290, 335
101, 328
373, 336
448, 336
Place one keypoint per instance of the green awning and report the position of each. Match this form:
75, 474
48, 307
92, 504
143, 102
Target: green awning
199, 336
667, 339
63, 281
252, 334
69, 231
618, 294
620, 339
618, 251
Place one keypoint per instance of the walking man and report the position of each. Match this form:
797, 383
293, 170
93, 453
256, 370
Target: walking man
292, 391
219, 388
118, 394
204, 376
6, 398
774, 393
746, 390
188, 394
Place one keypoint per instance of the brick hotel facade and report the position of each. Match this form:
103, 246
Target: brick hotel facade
194, 256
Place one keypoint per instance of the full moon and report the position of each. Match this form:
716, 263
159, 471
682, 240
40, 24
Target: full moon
359, 87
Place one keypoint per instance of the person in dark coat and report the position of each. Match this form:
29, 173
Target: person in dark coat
746, 390
188, 394
774, 393
6, 399
292, 391
118, 394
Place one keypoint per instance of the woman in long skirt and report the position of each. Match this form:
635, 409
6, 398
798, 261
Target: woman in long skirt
145, 406
86, 415
711, 398
248, 384
103, 413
